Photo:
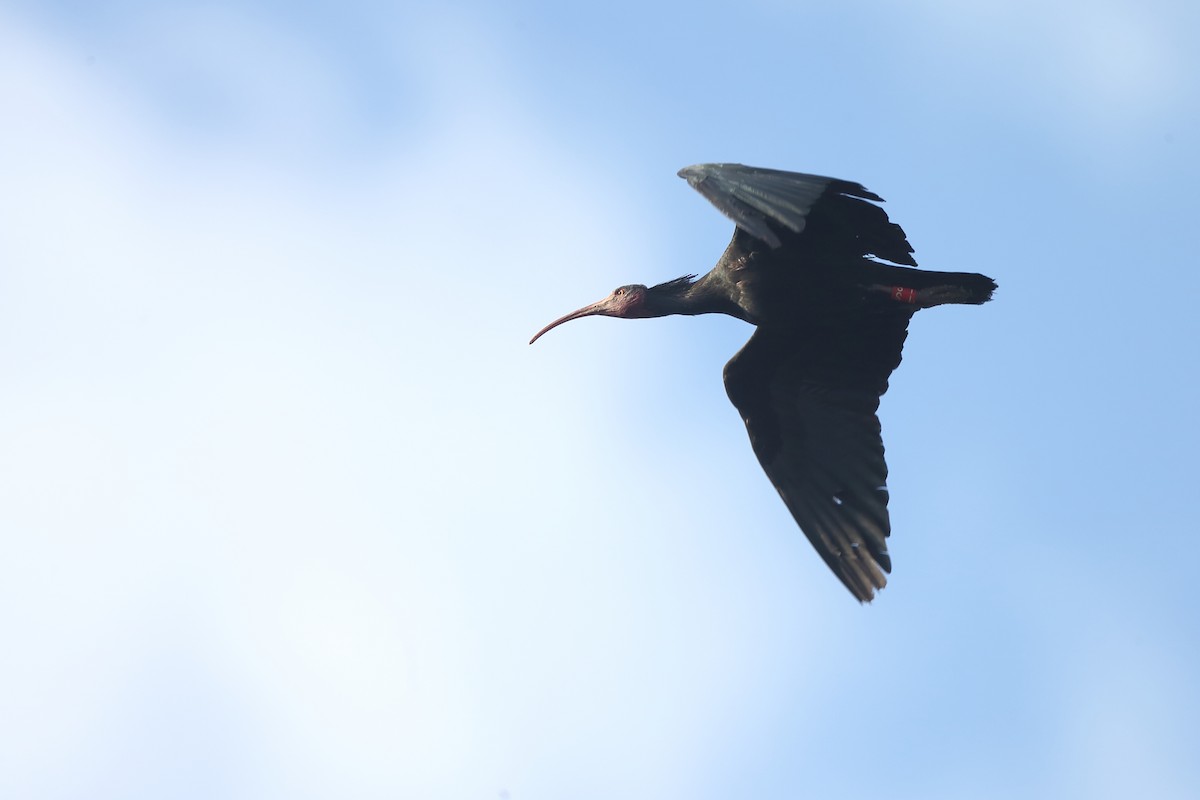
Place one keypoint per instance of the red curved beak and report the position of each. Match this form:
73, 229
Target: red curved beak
603, 307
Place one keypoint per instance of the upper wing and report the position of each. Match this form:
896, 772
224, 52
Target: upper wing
833, 214
809, 400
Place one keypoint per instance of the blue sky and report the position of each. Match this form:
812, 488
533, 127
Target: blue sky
289, 508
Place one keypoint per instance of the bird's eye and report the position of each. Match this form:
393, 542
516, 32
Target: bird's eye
619, 291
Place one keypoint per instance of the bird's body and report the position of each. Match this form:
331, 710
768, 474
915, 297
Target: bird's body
807, 266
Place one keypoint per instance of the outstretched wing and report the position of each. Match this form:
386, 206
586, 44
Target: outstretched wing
808, 399
832, 215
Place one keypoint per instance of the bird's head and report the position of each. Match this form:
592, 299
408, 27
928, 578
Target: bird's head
628, 302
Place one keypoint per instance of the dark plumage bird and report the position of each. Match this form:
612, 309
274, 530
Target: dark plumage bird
814, 264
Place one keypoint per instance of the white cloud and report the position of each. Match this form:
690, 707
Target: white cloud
1099, 71
1125, 730
287, 489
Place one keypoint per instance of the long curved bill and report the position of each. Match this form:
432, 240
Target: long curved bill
602, 307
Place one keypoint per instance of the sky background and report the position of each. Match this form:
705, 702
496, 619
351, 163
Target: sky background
290, 509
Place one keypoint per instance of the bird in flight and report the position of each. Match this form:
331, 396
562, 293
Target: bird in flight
831, 284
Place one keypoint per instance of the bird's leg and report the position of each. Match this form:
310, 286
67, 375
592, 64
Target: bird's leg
924, 298
901, 294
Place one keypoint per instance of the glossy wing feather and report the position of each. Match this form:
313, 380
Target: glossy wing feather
808, 399
776, 206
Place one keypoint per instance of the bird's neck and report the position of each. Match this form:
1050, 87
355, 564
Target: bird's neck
690, 297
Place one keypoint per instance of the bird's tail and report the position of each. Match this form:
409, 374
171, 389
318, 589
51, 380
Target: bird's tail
966, 288
924, 288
